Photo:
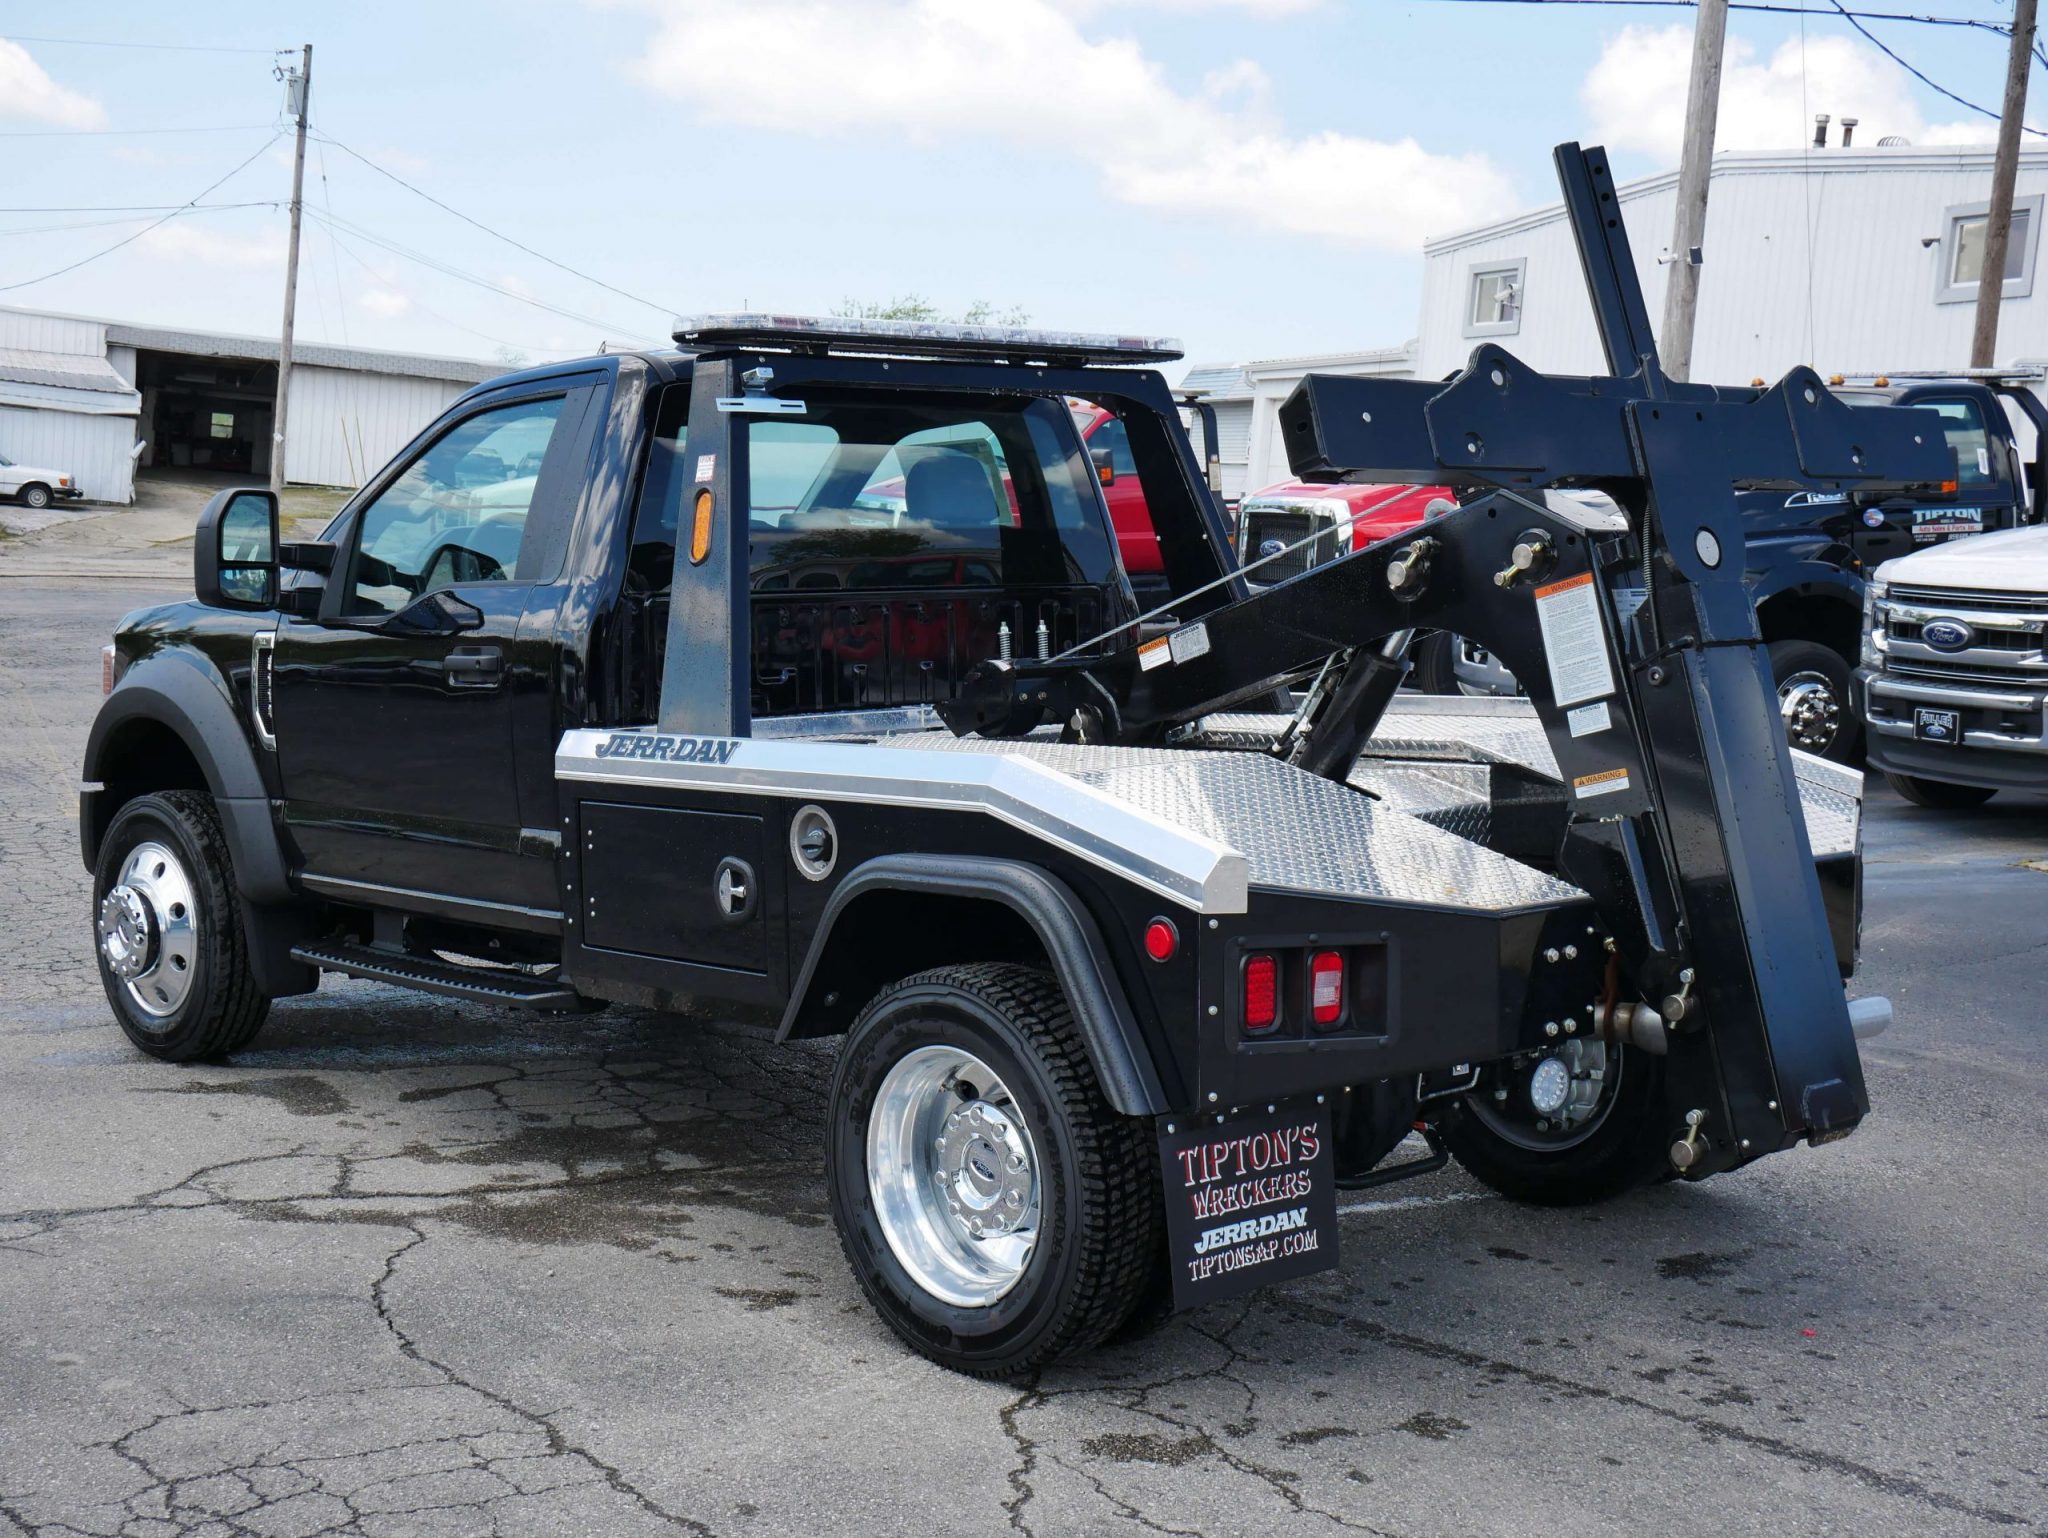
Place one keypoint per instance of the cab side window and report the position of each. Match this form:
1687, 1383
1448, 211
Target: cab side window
1115, 437
458, 512
1965, 432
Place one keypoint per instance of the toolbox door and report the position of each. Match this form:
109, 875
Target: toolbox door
678, 884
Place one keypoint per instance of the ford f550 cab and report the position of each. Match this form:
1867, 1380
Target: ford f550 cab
794, 674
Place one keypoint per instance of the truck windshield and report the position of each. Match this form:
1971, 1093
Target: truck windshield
921, 492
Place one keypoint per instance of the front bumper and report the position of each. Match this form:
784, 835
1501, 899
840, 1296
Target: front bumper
2005, 740
68, 493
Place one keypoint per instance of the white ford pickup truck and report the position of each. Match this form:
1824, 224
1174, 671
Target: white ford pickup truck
1954, 675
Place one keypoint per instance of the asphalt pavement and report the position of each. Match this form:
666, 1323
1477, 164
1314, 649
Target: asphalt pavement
414, 1267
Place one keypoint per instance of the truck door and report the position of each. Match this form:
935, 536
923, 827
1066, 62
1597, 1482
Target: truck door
1985, 496
394, 710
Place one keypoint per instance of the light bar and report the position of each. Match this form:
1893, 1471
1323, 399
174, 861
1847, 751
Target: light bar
917, 339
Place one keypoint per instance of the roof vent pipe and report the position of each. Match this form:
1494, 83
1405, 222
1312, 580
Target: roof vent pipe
1848, 130
1820, 130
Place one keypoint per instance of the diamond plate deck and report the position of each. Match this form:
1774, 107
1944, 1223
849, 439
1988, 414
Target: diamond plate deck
1297, 832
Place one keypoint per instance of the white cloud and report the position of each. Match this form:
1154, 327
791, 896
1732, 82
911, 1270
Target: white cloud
27, 92
186, 242
933, 71
384, 301
1635, 94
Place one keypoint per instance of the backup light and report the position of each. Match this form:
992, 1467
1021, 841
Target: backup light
1326, 987
1261, 995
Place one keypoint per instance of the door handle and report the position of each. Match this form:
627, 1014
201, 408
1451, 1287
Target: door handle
474, 667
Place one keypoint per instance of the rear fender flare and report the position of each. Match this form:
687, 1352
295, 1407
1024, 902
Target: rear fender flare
1071, 939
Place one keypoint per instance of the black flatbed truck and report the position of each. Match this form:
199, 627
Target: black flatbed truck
795, 673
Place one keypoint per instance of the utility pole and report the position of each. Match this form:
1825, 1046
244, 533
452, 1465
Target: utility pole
2006, 170
299, 93
1695, 165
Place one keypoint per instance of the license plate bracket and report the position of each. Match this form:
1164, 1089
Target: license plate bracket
1250, 1198
1940, 726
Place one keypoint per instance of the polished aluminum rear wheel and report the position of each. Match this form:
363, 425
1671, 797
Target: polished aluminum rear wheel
954, 1176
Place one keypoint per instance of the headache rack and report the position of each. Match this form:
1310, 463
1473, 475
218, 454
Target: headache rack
941, 340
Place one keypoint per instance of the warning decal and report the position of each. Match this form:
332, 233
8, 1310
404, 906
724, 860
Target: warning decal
1604, 783
1155, 654
1190, 643
1573, 643
1588, 719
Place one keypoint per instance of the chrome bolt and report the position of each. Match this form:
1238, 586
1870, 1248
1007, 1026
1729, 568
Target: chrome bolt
1774, 1105
1550, 1027
1551, 955
1570, 1025
1571, 953
1212, 1009
1212, 1097
1745, 1143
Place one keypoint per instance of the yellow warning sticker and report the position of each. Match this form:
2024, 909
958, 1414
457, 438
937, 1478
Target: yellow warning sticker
1155, 654
1606, 782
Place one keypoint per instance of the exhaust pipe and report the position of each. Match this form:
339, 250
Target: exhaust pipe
1639, 1026
1870, 1017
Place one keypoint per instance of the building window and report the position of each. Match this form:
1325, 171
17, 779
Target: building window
1493, 300
1962, 250
223, 424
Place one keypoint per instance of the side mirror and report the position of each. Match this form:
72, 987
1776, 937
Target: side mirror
234, 551
1105, 467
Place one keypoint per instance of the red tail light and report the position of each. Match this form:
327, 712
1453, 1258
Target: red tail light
1326, 987
1261, 994
1162, 940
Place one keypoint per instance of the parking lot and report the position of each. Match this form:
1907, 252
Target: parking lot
417, 1267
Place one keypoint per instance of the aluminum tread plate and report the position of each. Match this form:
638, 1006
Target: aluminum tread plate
1297, 832
1443, 731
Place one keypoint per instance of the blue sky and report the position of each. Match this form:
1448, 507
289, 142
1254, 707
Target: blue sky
1254, 176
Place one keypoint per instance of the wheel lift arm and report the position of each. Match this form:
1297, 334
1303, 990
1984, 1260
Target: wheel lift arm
1639, 650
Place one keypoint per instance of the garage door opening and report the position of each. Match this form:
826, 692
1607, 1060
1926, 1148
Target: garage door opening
202, 413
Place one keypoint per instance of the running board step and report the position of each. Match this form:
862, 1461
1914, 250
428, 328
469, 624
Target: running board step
485, 985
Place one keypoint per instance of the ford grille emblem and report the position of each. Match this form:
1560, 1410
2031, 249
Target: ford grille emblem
1947, 635
1270, 547
1873, 518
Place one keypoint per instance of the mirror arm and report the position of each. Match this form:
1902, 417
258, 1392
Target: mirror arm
307, 555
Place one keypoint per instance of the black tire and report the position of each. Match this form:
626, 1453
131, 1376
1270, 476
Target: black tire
222, 1008
1099, 1236
1432, 672
1938, 795
1625, 1148
1803, 665
36, 496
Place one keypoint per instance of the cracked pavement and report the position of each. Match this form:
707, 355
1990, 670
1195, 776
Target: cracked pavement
414, 1267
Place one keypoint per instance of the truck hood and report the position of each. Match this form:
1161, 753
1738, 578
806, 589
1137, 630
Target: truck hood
2010, 561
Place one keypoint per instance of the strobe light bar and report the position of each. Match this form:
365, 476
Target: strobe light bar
917, 339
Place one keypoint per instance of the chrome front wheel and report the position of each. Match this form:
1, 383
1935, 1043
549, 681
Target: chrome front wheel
1811, 711
149, 929
954, 1176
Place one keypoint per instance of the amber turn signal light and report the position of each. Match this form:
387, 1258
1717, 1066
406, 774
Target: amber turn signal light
700, 528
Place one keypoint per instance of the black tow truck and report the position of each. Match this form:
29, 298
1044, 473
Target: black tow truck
794, 673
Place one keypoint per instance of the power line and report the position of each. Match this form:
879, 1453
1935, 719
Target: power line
352, 228
1854, 18
124, 133
130, 239
1761, 5
100, 42
102, 224
129, 208
335, 243
1939, 90
665, 309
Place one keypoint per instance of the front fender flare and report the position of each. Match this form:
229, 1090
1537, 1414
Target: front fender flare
1073, 944
192, 702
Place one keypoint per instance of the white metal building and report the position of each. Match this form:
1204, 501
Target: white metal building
1224, 387
1272, 380
102, 398
1848, 260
